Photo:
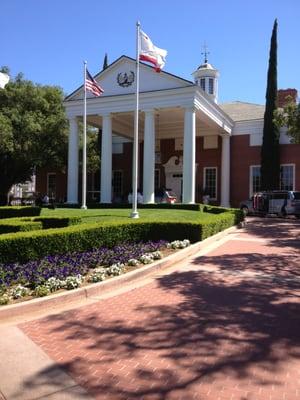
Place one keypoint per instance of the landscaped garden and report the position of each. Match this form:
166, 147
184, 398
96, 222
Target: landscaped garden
44, 250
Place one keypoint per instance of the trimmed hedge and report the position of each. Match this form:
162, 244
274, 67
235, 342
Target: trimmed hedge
24, 246
11, 225
58, 222
17, 212
176, 206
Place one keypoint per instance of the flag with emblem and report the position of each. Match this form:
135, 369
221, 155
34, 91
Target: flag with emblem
151, 53
4, 79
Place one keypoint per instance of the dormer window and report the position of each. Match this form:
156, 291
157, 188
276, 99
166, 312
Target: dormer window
211, 86
202, 83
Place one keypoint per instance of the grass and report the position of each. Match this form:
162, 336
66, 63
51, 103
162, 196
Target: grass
118, 214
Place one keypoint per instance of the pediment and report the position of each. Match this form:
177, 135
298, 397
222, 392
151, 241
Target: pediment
120, 78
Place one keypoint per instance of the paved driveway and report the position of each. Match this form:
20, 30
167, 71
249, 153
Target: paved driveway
222, 326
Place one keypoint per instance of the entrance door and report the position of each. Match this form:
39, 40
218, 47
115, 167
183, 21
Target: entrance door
174, 183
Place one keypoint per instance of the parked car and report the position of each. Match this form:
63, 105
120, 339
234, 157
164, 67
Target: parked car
247, 206
280, 202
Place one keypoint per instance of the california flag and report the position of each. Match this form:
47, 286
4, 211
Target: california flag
4, 79
151, 53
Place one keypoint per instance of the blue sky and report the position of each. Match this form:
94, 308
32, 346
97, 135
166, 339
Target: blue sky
47, 40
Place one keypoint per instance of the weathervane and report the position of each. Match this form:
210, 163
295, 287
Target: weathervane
205, 52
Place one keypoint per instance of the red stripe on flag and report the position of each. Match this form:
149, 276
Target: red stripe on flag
150, 59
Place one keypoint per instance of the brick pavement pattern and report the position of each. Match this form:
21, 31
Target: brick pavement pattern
224, 326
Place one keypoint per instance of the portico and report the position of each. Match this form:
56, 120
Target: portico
170, 108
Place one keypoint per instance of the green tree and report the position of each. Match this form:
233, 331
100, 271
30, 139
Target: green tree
33, 131
105, 61
270, 156
289, 116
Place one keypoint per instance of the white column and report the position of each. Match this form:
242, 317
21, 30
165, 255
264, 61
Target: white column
72, 196
149, 157
189, 156
225, 172
106, 159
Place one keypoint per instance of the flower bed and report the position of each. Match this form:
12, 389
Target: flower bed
52, 273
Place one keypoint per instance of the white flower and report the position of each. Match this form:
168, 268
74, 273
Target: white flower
115, 269
54, 284
72, 282
19, 291
4, 299
133, 262
146, 258
178, 244
97, 276
156, 255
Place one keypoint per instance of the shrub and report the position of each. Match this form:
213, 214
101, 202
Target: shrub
4, 299
14, 212
23, 246
58, 222
11, 225
178, 206
41, 291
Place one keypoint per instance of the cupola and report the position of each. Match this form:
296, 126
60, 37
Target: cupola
206, 77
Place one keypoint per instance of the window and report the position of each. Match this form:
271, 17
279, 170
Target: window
118, 183
254, 179
287, 177
211, 86
202, 83
51, 185
157, 179
210, 182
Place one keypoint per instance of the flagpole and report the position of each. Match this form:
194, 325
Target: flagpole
134, 212
83, 201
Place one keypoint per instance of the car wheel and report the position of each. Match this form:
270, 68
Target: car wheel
245, 210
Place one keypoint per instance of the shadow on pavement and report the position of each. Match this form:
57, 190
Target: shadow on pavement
195, 331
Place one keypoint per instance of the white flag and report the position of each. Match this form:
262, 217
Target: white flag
4, 79
151, 53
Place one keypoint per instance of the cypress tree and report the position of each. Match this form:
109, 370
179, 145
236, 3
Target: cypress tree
105, 62
270, 157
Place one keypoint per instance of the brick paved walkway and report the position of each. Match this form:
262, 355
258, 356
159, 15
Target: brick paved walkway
224, 326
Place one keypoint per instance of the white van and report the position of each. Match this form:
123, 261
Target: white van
280, 202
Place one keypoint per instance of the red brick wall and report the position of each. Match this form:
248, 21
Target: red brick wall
243, 155
290, 154
207, 158
61, 183
284, 96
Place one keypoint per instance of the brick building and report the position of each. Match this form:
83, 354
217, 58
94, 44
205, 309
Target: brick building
187, 141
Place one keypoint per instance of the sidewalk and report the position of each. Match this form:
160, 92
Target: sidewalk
222, 325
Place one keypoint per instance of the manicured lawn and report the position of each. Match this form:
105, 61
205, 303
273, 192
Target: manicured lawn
118, 214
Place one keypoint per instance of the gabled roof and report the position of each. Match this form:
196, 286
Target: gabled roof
181, 82
242, 111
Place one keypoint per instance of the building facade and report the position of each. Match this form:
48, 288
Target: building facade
188, 143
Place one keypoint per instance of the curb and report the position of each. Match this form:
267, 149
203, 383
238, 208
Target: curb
100, 288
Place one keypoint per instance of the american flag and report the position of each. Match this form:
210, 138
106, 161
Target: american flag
92, 85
